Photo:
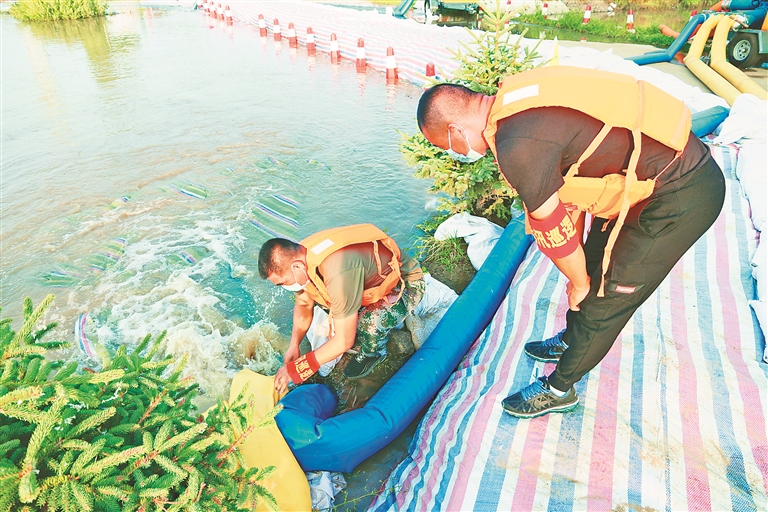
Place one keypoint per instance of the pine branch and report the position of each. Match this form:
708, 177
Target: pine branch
31, 317
20, 395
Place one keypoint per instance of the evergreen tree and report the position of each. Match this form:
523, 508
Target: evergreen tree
126, 438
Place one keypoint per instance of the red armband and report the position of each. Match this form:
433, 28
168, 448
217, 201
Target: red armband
556, 235
303, 368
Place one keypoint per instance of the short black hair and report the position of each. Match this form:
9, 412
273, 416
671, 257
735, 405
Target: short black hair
273, 254
439, 105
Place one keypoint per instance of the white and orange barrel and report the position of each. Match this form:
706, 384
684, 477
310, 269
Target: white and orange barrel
335, 54
360, 57
220, 12
310, 41
200, 5
262, 26
391, 66
293, 41
276, 30
228, 15
587, 15
631, 20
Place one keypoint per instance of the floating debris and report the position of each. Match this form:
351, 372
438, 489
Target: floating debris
96, 352
277, 216
188, 257
192, 255
109, 255
120, 201
61, 277
315, 162
275, 161
192, 190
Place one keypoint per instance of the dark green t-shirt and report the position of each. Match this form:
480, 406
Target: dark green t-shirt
349, 271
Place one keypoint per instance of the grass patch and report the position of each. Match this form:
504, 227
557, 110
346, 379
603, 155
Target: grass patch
51, 10
446, 260
614, 28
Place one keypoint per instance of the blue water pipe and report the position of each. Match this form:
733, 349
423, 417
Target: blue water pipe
668, 54
321, 441
401, 10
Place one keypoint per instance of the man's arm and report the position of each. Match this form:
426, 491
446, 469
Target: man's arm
303, 312
342, 340
345, 329
574, 265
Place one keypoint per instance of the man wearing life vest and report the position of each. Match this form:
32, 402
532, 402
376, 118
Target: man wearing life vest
572, 140
360, 276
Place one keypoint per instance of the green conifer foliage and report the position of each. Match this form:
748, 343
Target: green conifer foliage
126, 438
478, 187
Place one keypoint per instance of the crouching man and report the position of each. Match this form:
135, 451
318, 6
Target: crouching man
360, 276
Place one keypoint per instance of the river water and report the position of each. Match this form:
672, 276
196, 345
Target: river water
148, 155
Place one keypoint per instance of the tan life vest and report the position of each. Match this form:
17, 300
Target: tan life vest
618, 101
321, 245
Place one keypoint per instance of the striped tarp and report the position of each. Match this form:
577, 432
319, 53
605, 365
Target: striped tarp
414, 44
674, 418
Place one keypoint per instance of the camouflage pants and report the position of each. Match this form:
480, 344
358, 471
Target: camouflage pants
376, 320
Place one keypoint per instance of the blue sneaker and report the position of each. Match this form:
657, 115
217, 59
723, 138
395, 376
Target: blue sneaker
536, 399
549, 350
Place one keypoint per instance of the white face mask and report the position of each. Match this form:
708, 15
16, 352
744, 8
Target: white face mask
296, 287
471, 156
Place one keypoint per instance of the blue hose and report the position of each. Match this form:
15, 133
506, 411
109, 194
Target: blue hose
668, 54
339, 443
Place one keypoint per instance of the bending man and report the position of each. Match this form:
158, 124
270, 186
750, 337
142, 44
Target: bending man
571, 140
356, 272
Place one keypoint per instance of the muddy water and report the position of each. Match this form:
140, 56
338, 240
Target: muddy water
146, 157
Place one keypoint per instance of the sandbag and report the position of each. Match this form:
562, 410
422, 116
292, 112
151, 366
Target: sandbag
479, 233
752, 171
747, 119
430, 310
267, 447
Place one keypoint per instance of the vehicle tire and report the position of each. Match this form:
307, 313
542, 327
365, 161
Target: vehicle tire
743, 51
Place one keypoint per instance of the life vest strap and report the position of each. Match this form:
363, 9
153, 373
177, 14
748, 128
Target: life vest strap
628, 180
377, 258
599, 138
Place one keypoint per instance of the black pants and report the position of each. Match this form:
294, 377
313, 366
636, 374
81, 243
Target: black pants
652, 240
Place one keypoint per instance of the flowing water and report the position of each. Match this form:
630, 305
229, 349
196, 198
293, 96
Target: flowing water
148, 155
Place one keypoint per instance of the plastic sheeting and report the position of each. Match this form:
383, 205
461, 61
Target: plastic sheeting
323, 488
674, 417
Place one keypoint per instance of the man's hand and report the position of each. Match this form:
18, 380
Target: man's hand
576, 295
291, 354
281, 380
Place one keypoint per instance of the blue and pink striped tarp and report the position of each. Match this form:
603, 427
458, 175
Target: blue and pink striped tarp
674, 418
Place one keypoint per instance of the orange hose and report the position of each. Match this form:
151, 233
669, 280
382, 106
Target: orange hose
668, 31
718, 7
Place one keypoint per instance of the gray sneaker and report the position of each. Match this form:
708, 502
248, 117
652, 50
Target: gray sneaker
549, 350
536, 399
